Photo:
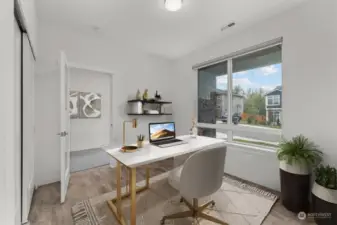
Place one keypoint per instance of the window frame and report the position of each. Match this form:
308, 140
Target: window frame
273, 100
229, 127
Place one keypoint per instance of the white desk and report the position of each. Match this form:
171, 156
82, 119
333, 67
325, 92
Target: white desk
145, 156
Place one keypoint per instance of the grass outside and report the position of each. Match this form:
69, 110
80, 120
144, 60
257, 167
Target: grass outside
255, 142
259, 125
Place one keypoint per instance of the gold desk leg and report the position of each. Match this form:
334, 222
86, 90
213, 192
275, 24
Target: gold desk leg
115, 203
119, 188
133, 196
117, 209
127, 184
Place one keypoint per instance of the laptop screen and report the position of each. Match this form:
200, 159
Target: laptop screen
162, 131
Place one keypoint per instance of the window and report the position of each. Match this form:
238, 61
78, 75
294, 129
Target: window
241, 98
273, 100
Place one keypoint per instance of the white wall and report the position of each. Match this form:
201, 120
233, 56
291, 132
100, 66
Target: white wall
133, 69
9, 179
91, 133
309, 76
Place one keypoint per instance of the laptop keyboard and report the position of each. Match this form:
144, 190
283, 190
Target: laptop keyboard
168, 142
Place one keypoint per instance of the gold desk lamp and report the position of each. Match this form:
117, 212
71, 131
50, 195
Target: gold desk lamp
129, 148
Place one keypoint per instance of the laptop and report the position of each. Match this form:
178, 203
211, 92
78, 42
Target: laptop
163, 135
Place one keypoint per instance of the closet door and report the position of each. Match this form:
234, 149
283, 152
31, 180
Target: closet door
28, 128
16, 130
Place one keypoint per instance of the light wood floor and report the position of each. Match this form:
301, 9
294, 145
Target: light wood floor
47, 210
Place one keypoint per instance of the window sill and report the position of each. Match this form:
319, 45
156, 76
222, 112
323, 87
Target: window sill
248, 128
251, 147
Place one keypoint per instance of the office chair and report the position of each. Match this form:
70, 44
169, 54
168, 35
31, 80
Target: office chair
200, 176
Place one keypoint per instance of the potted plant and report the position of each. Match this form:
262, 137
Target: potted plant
324, 195
297, 158
140, 141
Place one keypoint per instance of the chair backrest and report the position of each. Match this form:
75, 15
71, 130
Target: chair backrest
203, 172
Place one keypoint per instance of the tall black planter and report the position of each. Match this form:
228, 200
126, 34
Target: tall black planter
295, 187
324, 205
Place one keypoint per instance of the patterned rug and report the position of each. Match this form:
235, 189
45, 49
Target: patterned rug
237, 203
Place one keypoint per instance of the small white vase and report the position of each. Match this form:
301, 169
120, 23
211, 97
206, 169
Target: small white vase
194, 132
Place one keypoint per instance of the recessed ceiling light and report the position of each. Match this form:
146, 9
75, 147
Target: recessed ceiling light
173, 5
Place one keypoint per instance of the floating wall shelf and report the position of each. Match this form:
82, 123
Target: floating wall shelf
140, 107
149, 102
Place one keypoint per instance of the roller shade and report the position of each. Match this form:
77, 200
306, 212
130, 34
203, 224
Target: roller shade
258, 59
241, 53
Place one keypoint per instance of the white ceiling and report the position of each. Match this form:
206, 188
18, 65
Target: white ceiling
148, 25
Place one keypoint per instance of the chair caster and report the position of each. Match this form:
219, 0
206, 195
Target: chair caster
162, 222
213, 203
181, 200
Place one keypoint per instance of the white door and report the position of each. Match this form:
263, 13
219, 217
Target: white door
64, 126
28, 129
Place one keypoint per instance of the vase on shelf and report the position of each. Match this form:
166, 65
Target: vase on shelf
138, 96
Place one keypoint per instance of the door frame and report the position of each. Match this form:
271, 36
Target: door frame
102, 71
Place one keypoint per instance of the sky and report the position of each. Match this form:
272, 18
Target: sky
157, 127
266, 78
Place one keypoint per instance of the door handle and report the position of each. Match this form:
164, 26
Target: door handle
63, 133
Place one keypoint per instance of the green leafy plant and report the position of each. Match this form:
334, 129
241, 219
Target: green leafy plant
140, 137
326, 176
299, 150
250, 120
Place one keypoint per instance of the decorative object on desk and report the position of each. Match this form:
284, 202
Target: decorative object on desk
138, 96
146, 95
297, 158
140, 141
90, 105
324, 195
73, 105
194, 129
157, 96
130, 148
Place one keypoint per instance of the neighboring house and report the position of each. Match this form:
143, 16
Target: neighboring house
222, 103
274, 105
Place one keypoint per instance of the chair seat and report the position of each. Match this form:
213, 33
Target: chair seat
174, 177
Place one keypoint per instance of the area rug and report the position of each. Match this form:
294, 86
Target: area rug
237, 203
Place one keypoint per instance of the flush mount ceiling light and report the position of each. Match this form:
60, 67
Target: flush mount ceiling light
173, 5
